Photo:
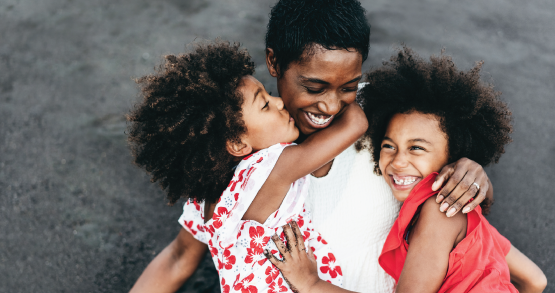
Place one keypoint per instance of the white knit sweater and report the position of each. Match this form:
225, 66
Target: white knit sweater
354, 210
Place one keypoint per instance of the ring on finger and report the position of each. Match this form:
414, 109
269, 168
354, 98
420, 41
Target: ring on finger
477, 185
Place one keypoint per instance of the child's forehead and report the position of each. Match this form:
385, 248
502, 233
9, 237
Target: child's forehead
413, 126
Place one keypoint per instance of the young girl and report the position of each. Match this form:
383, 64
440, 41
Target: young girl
423, 115
206, 125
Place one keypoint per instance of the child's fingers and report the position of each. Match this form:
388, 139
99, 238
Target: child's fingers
273, 259
280, 246
311, 254
298, 235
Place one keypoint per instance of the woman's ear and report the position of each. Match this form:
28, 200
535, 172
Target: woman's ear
271, 62
238, 149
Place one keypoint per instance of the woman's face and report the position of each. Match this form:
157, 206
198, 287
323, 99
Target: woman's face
414, 146
319, 87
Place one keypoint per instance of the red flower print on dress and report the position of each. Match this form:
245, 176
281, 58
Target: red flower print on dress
225, 288
245, 285
218, 215
247, 177
233, 183
189, 225
258, 239
251, 254
228, 260
300, 221
271, 273
328, 266
277, 287
197, 206
320, 239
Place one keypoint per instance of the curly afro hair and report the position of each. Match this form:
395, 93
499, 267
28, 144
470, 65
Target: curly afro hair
475, 121
190, 108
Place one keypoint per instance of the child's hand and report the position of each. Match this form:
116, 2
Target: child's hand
298, 266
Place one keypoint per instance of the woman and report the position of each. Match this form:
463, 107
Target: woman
315, 49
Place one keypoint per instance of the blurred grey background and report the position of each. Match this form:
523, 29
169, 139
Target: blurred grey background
77, 216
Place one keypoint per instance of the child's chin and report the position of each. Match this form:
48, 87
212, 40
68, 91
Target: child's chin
401, 196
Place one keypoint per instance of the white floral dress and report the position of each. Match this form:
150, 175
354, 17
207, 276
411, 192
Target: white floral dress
237, 245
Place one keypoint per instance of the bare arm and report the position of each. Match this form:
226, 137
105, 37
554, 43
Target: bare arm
525, 274
321, 147
173, 266
432, 239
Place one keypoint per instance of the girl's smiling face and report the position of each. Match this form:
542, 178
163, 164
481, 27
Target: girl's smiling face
265, 117
414, 146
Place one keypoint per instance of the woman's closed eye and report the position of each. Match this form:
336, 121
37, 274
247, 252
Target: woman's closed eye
266, 105
313, 90
354, 89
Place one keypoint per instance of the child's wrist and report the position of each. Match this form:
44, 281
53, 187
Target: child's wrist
313, 286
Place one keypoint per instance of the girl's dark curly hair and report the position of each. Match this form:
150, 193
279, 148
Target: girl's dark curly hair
190, 108
472, 116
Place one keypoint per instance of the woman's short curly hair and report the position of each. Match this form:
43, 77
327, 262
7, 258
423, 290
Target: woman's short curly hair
476, 122
190, 109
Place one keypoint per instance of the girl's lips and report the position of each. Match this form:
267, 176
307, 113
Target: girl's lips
315, 125
403, 187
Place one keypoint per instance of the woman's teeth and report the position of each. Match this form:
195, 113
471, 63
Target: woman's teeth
405, 181
319, 119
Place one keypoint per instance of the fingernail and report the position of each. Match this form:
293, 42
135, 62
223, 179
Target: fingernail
439, 198
466, 210
444, 207
451, 212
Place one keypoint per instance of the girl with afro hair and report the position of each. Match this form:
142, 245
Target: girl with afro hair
207, 131
423, 115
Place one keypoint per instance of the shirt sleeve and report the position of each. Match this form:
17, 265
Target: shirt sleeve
192, 220
503, 242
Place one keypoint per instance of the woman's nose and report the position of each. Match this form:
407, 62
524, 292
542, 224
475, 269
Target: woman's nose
330, 105
279, 103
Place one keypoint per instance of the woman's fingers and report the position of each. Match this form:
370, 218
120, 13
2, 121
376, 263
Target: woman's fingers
298, 235
273, 259
281, 247
292, 245
484, 186
444, 174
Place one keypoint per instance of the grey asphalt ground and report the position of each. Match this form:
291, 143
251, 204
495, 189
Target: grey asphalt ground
77, 216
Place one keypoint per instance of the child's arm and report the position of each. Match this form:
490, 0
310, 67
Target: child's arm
320, 147
300, 160
525, 274
173, 266
432, 239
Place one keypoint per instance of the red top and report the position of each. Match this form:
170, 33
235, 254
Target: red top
476, 264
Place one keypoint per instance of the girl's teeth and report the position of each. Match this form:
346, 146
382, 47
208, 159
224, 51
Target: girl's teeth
404, 181
319, 119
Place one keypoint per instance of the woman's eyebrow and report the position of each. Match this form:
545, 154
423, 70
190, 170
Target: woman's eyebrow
316, 80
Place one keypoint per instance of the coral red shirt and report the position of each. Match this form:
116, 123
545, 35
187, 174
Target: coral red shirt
476, 264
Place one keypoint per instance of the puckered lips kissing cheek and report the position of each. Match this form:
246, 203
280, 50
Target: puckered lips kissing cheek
318, 120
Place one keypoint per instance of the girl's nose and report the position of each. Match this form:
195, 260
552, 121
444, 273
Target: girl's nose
399, 161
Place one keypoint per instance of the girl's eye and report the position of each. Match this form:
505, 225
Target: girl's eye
265, 105
416, 148
387, 146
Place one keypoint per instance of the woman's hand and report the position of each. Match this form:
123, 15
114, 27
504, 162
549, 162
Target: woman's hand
467, 186
298, 266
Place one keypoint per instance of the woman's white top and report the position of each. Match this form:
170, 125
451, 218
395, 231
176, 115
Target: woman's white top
354, 210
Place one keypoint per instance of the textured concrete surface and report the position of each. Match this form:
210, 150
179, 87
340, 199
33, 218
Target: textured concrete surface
76, 216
